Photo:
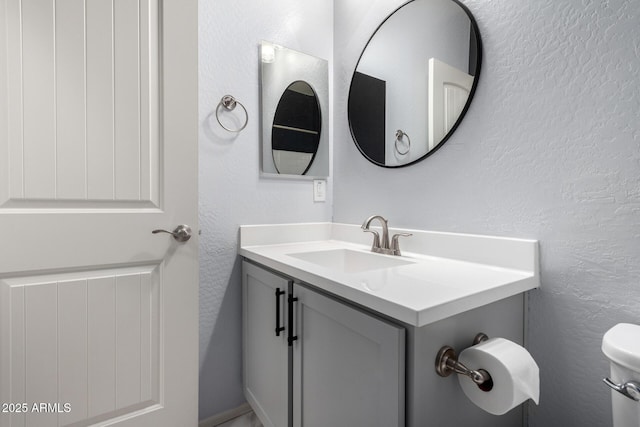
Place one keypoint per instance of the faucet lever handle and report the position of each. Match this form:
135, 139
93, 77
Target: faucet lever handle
376, 238
395, 246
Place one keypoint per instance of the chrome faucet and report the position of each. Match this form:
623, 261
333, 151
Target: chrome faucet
382, 246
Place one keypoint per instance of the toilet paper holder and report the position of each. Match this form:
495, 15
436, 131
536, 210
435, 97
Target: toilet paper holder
447, 363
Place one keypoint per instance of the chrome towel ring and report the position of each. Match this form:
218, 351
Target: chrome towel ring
229, 103
399, 137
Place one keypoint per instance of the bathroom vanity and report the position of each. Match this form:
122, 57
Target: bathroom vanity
335, 335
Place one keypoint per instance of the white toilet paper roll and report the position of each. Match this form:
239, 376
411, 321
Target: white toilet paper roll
515, 375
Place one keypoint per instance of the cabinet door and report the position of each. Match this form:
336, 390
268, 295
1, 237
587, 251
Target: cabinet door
265, 355
348, 365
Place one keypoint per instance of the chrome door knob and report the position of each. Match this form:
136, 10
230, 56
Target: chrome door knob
182, 233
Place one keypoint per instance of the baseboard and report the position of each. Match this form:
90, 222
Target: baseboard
225, 416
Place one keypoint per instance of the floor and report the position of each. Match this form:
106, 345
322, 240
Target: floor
246, 420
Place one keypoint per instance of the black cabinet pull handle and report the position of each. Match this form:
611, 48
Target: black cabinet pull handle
291, 338
278, 327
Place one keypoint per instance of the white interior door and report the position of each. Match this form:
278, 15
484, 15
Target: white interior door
98, 147
449, 90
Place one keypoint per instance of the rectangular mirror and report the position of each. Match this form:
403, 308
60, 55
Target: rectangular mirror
294, 113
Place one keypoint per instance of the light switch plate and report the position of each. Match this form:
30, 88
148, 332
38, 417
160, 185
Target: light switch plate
319, 190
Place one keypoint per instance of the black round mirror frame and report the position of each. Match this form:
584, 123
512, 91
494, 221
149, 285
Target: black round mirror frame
478, 65
311, 114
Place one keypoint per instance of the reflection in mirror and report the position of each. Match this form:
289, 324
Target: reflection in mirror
294, 89
296, 129
414, 81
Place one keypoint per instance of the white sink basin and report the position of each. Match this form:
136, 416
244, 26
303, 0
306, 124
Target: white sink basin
350, 261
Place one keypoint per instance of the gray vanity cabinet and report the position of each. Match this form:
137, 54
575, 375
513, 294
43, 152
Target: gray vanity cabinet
332, 365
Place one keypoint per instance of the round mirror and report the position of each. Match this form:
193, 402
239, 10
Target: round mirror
414, 81
295, 134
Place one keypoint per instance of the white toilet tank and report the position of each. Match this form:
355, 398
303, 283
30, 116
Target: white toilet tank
621, 344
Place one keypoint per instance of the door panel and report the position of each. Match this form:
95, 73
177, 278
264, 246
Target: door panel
84, 105
449, 90
98, 147
348, 365
265, 355
90, 339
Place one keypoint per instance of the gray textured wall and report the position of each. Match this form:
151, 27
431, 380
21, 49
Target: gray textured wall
231, 192
549, 150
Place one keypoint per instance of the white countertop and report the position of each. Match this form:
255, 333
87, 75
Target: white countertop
449, 273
